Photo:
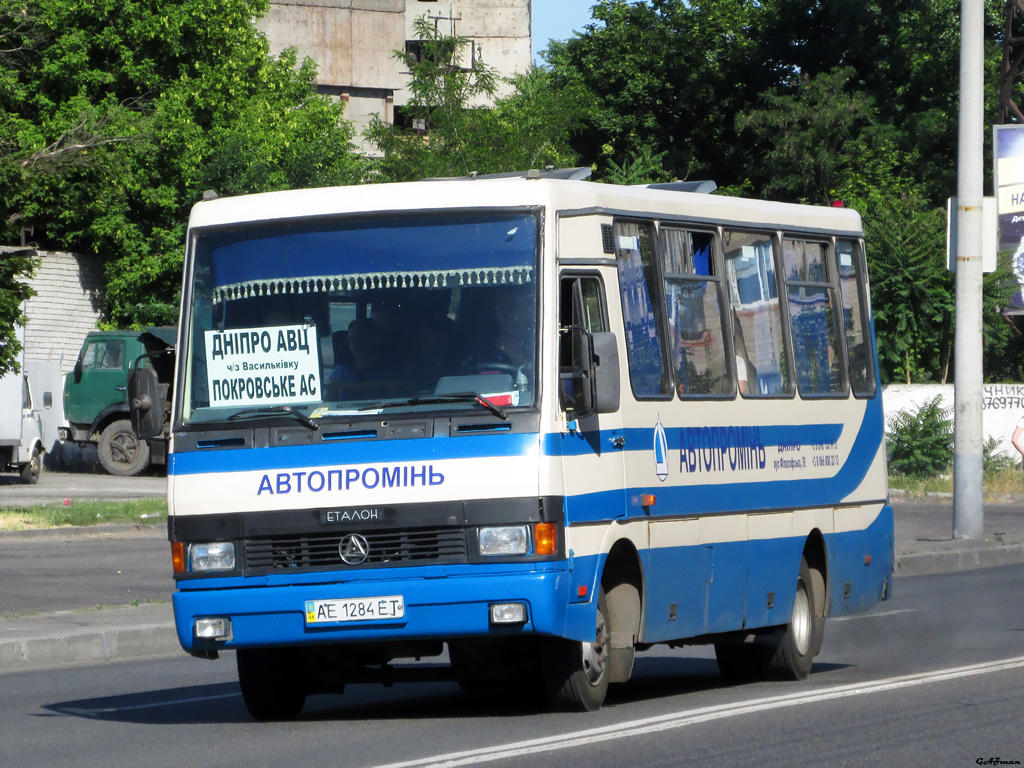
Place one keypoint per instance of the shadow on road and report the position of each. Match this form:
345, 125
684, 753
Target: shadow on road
654, 678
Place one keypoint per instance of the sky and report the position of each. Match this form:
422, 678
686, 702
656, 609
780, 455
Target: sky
556, 19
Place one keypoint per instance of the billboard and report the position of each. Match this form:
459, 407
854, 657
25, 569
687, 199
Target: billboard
1008, 146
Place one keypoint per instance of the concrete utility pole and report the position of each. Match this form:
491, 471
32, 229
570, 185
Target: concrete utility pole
1013, 58
968, 459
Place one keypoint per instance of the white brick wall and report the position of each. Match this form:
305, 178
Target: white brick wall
67, 305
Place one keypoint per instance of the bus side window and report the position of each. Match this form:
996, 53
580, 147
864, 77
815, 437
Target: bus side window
695, 317
756, 313
642, 309
812, 317
852, 279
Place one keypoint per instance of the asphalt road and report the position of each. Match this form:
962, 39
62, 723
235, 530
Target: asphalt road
931, 677
54, 487
60, 571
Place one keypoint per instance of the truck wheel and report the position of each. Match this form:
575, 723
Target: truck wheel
30, 472
121, 452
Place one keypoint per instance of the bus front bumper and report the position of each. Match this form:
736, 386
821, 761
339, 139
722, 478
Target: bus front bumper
434, 609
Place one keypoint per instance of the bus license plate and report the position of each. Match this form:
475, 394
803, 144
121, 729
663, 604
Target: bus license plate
355, 609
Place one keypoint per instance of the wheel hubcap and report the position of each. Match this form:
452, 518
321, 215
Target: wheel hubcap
597, 653
801, 621
124, 448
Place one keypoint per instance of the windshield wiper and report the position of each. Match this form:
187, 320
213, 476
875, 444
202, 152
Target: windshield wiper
455, 397
282, 410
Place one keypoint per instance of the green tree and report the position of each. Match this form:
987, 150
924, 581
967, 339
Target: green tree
437, 143
911, 291
450, 133
810, 134
117, 114
921, 443
668, 75
15, 268
641, 167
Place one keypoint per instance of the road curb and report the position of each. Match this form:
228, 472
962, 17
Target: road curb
61, 649
949, 561
76, 637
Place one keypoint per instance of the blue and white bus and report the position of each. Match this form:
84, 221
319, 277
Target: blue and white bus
534, 423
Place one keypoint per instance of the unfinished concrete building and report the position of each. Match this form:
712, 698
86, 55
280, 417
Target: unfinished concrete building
353, 43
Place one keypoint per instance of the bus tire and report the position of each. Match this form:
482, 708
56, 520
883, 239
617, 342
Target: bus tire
794, 654
576, 674
120, 452
272, 683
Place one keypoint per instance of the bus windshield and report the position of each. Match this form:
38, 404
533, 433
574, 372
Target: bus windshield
347, 316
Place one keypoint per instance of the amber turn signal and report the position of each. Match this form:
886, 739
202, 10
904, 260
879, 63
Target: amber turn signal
178, 556
545, 538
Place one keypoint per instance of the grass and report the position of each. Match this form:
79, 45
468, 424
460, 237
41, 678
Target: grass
79, 513
997, 484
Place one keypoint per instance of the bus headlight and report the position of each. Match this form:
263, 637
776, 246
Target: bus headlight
215, 556
504, 541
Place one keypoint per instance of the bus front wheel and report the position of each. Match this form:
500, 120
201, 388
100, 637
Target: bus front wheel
272, 683
577, 673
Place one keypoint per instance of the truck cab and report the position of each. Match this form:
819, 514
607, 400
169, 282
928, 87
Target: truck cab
96, 400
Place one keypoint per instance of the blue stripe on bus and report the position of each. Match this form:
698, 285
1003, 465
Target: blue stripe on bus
552, 444
737, 496
477, 446
361, 452
641, 438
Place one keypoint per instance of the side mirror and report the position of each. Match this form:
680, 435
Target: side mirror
606, 372
145, 403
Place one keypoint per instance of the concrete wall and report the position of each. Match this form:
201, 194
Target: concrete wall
1003, 406
350, 41
353, 43
499, 31
67, 305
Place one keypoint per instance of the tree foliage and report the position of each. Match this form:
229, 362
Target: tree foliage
15, 268
447, 133
804, 101
920, 444
117, 114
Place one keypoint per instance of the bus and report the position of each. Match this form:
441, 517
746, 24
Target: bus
519, 429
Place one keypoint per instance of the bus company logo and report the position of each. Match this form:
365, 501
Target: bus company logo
354, 549
660, 452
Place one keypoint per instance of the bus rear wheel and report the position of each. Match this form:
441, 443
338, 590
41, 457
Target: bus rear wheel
272, 682
800, 641
577, 674
784, 654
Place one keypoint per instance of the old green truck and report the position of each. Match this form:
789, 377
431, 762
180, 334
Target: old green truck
96, 400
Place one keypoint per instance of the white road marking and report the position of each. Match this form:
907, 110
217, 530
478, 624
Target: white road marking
700, 715
872, 615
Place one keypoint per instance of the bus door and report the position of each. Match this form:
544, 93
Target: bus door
592, 447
